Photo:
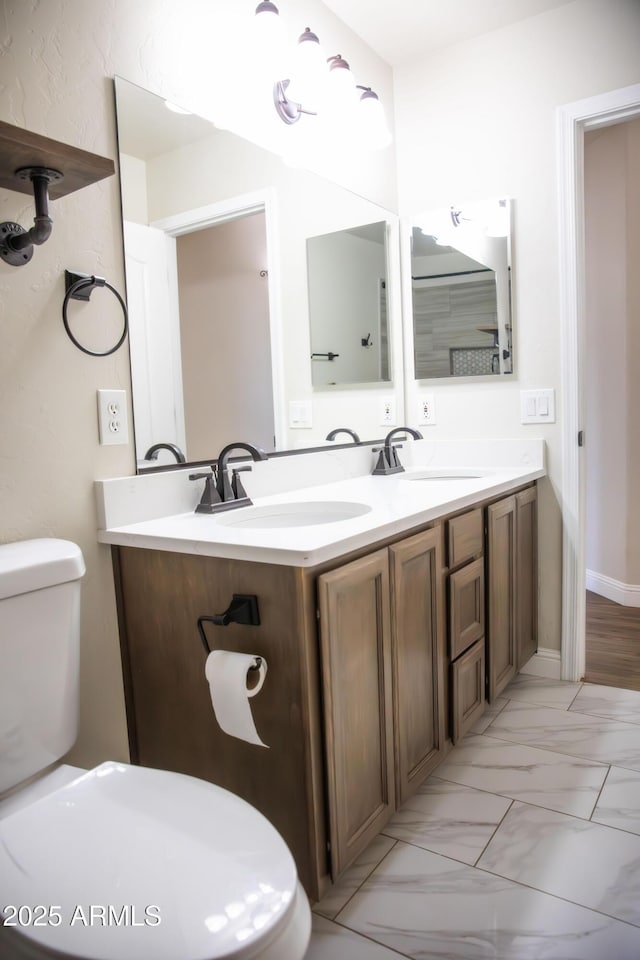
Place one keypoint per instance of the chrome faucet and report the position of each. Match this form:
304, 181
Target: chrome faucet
333, 434
152, 452
388, 461
220, 493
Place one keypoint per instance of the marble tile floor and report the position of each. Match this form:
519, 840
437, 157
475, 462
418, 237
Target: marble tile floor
523, 845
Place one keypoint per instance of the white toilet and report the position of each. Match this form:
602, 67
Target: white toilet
120, 862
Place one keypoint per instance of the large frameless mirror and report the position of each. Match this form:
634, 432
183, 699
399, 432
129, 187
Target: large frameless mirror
220, 289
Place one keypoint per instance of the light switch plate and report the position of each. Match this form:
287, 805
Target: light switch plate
300, 414
537, 406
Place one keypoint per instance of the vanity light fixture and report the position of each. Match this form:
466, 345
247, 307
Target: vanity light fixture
325, 87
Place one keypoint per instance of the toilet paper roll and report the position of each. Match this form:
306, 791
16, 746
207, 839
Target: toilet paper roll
228, 674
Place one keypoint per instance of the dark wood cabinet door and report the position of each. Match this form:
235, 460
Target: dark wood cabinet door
527, 576
465, 537
501, 594
417, 645
466, 607
467, 690
356, 684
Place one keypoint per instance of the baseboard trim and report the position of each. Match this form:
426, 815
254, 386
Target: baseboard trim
626, 594
545, 663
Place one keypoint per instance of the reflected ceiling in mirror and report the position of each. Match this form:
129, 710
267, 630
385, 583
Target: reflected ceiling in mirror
461, 292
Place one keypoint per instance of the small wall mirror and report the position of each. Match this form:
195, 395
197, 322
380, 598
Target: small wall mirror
347, 278
461, 291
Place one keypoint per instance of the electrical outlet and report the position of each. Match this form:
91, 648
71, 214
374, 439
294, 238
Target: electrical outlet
112, 417
426, 409
387, 411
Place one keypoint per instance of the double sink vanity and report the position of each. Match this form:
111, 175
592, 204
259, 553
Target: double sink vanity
391, 608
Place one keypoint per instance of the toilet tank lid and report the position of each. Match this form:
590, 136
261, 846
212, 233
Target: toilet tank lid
34, 564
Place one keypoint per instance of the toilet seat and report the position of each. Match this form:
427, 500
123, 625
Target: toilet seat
140, 863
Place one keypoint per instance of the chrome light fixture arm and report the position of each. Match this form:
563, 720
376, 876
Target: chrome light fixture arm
288, 110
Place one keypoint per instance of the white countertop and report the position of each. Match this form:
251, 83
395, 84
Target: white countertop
394, 504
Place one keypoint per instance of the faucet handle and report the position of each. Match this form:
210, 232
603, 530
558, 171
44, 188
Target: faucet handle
210, 496
388, 462
393, 456
239, 491
381, 465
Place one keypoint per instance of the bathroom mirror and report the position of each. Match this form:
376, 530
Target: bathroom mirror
460, 291
347, 278
215, 234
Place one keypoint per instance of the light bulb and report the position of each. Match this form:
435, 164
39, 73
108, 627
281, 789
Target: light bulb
373, 122
268, 41
267, 19
341, 94
309, 73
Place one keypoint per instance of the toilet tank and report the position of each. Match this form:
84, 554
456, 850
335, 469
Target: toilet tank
39, 654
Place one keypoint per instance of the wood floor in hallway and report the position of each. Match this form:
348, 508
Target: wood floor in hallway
613, 643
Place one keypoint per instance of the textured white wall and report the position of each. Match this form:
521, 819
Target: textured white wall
57, 60
477, 120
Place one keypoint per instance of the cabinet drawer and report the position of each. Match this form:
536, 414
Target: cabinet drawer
466, 607
465, 536
467, 690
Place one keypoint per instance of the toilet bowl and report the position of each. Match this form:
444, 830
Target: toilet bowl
120, 862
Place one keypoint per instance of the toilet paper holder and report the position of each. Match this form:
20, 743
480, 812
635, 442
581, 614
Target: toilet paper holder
242, 609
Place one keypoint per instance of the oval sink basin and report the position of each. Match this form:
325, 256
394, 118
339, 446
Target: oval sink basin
305, 514
453, 474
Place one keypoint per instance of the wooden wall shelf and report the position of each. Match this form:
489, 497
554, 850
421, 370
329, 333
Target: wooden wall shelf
20, 148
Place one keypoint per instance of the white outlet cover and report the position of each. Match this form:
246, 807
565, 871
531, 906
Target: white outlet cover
113, 427
387, 411
426, 410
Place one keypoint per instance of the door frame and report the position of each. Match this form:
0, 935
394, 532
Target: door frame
260, 201
572, 121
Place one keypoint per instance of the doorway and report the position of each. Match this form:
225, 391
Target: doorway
216, 285
574, 120
225, 337
612, 397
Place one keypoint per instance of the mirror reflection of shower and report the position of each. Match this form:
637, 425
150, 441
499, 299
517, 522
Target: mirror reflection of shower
461, 291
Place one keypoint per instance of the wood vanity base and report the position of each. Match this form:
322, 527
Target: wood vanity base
375, 660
